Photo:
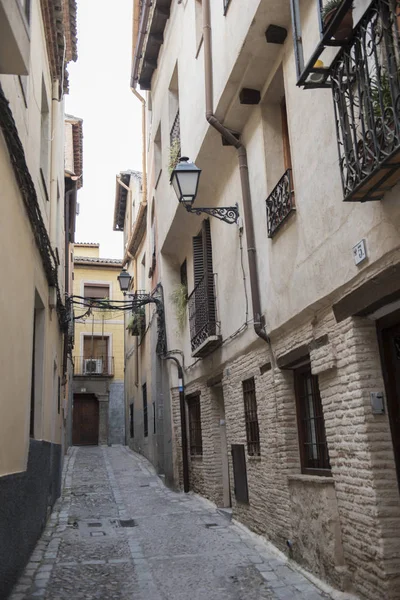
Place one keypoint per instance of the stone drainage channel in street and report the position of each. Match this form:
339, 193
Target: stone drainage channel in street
117, 533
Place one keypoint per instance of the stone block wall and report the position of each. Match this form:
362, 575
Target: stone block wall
116, 414
355, 516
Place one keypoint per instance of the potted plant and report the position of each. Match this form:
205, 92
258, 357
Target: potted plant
345, 28
179, 299
174, 154
137, 322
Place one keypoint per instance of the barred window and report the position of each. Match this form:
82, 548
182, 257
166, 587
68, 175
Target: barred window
131, 427
310, 420
145, 412
195, 435
250, 414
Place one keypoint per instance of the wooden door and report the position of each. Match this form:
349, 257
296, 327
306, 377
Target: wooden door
390, 343
85, 427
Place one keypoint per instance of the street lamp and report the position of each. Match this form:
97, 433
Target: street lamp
185, 181
124, 280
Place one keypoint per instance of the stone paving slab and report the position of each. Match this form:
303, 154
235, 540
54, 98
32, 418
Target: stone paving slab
117, 533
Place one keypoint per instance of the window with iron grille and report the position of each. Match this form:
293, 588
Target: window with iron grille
145, 412
310, 420
250, 414
131, 427
196, 440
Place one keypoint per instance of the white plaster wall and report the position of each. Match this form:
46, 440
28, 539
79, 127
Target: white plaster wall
311, 256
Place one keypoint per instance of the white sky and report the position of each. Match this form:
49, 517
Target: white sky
101, 96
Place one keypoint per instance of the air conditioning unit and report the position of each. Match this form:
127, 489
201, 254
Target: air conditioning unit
92, 366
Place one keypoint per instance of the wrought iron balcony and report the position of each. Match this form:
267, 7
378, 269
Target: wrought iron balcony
365, 80
204, 327
175, 133
94, 366
280, 203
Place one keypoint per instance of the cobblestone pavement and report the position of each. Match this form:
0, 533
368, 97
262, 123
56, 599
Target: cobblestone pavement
118, 533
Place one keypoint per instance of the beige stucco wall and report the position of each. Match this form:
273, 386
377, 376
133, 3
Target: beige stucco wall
21, 270
90, 250
113, 324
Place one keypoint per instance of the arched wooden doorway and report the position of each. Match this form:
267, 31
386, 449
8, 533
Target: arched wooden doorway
85, 425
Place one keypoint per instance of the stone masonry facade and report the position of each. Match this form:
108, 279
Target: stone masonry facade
343, 528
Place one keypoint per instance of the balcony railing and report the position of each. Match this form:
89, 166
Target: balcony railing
175, 133
94, 366
280, 203
204, 327
366, 93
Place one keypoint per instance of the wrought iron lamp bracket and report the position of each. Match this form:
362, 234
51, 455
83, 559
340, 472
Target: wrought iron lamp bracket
228, 214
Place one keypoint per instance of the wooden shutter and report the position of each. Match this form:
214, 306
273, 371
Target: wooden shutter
198, 260
207, 247
95, 347
208, 270
285, 137
96, 291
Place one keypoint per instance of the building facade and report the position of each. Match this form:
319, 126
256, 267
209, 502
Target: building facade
147, 406
98, 415
38, 39
289, 342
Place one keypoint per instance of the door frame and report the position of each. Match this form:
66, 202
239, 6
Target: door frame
388, 322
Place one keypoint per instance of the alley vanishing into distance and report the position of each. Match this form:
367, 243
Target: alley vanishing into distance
118, 533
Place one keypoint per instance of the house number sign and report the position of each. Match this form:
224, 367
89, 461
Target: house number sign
360, 252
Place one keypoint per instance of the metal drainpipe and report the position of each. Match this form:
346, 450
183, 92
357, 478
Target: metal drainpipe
140, 39
244, 173
185, 460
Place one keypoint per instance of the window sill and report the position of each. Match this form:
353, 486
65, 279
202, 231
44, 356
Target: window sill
196, 457
314, 479
253, 458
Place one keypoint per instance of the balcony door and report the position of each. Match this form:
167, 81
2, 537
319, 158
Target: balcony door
95, 348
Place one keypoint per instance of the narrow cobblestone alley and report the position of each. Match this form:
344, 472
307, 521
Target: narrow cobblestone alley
118, 533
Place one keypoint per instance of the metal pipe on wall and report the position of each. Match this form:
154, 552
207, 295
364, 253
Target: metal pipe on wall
244, 172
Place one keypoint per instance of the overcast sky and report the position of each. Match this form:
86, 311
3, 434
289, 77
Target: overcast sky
101, 96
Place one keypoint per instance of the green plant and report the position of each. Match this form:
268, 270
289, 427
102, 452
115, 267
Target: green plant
136, 324
385, 94
174, 154
330, 6
179, 298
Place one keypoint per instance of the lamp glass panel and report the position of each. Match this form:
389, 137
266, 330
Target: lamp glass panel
124, 281
175, 185
188, 182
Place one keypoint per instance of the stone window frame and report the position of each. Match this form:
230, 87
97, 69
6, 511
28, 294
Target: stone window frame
251, 417
309, 435
195, 430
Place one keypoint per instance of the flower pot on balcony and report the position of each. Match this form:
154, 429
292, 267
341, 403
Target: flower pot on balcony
345, 27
